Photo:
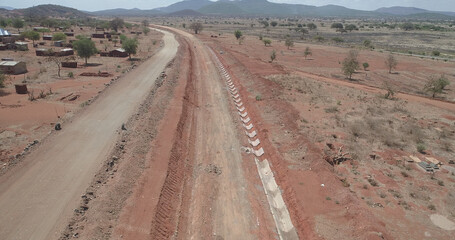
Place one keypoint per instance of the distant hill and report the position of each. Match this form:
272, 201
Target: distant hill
6, 7
186, 4
127, 12
401, 10
266, 8
413, 12
49, 10
185, 13
222, 8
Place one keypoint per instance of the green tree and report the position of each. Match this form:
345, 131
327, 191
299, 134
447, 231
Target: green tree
365, 66
2, 79
351, 27
273, 55
238, 34
3, 22
130, 45
311, 26
267, 42
367, 43
116, 23
146, 30
85, 48
436, 85
18, 23
350, 64
289, 42
59, 37
32, 35
196, 27
307, 52
145, 23
408, 26
391, 62
273, 23
337, 25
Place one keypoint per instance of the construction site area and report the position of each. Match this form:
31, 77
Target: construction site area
214, 134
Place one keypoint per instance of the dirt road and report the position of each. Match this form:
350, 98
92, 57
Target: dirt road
218, 198
38, 196
212, 189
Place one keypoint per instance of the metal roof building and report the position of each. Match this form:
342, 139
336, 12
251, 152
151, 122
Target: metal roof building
4, 32
13, 67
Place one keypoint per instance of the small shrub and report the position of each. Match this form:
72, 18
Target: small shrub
328, 198
382, 195
432, 207
331, 109
420, 147
345, 182
436, 53
70, 75
154, 42
372, 182
405, 205
337, 202
365, 66
337, 39
2, 80
394, 193
273, 56
42, 70
42, 94
365, 186
258, 98
440, 183
31, 95
404, 174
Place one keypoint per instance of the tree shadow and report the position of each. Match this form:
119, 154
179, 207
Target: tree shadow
92, 64
4, 93
134, 59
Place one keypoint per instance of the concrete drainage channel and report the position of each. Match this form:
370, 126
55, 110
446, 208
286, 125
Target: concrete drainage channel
280, 213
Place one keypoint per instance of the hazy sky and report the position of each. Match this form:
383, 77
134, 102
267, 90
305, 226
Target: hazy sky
91, 5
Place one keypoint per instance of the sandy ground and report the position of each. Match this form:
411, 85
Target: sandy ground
37, 196
308, 111
180, 170
24, 121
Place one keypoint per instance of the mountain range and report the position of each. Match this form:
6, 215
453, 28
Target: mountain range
236, 8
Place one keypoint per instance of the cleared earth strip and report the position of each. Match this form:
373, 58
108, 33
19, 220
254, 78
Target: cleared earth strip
280, 213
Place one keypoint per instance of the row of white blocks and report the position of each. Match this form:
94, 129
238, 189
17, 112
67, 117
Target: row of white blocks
246, 120
277, 205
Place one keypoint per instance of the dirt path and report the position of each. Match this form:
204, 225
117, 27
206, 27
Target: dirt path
219, 189
38, 196
211, 189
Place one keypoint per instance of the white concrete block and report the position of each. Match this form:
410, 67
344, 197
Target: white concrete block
249, 127
236, 96
237, 100
245, 120
241, 109
259, 152
243, 114
254, 143
239, 104
251, 134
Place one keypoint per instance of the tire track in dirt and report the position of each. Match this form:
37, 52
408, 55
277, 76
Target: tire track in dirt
216, 199
168, 209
